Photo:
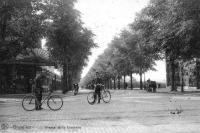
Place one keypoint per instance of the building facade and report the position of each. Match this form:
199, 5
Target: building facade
15, 74
186, 73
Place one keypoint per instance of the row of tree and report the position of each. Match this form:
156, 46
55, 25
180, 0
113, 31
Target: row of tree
23, 23
164, 29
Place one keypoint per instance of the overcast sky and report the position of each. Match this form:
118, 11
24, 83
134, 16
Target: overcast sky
106, 18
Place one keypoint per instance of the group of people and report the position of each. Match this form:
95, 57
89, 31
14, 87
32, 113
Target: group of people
151, 86
37, 88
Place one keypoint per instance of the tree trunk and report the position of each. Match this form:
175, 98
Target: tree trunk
140, 73
64, 78
144, 82
70, 81
108, 83
111, 83
67, 78
105, 84
118, 82
55, 81
173, 87
182, 82
124, 82
114, 84
13, 80
4, 26
131, 82
197, 74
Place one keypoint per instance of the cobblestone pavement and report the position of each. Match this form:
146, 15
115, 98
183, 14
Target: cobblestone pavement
128, 112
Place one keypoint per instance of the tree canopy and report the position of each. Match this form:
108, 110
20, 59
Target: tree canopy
23, 23
163, 29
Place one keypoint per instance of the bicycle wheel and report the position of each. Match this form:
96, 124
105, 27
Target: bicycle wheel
28, 102
106, 96
91, 98
55, 102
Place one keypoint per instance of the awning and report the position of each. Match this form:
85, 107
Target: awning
35, 56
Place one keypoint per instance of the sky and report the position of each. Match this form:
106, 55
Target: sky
106, 18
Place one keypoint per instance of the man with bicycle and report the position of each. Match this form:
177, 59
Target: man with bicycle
39, 80
98, 82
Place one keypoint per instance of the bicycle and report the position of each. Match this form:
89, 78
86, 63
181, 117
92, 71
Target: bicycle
54, 102
105, 95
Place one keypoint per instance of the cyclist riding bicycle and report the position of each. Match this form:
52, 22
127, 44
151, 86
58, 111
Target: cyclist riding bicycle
97, 86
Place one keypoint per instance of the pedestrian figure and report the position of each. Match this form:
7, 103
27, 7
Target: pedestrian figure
151, 85
98, 82
39, 80
76, 87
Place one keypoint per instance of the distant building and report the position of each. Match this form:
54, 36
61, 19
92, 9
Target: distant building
186, 73
15, 74
53, 80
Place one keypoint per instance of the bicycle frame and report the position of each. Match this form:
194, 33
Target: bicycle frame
102, 90
45, 98
49, 98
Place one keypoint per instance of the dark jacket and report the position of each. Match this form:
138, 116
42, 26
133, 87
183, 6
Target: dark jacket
39, 82
98, 81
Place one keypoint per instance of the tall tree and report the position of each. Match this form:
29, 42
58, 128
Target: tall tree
21, 26
68, 41
177, 30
